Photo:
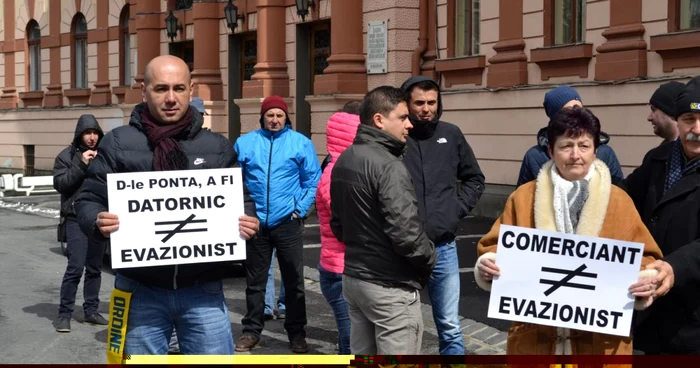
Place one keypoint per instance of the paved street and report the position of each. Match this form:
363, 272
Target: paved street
31, 266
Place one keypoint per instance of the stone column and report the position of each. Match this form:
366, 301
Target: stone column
9, 92
147, 24
207, 73
624, 54
270, 76
102, 94
509, 66
346, 71
428, 67
54, 90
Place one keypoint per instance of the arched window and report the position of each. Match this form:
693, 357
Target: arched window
34, 59
124, 47
79, 33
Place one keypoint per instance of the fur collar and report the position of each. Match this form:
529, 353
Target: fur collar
593, 213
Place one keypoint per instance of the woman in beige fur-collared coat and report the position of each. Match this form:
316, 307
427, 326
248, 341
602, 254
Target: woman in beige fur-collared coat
572, 194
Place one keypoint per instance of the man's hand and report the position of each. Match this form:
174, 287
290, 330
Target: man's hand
88, 156
107, 223
665, 279
643, 288
248, 226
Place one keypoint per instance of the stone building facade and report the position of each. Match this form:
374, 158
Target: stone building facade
495, 59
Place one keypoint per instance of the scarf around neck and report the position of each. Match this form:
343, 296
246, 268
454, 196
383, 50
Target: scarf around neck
678, 168
569, 199
164, 138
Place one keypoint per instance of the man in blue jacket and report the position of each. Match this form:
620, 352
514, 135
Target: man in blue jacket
281, 171
555, 100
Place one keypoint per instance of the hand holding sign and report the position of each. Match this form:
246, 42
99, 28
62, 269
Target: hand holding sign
248, 226
107, 223
665, 279
488, 269
643, 288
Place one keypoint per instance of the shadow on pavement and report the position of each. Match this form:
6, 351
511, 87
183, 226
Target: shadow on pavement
56, 250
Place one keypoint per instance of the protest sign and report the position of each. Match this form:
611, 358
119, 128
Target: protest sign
176, 217
565, 280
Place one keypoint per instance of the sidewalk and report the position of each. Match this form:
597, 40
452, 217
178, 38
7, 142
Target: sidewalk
479, 338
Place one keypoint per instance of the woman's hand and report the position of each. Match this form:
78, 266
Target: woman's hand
488, 269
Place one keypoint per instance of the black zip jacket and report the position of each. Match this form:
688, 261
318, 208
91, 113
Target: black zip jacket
438, 157
672, 324
69, 169
374, 212
126, 149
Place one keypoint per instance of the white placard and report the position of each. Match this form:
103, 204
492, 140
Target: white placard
176, 217
565, 280
377, 47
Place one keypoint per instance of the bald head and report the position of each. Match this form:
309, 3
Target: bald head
166, 88
165, 62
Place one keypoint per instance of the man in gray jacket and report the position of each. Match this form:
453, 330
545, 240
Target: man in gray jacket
374, 211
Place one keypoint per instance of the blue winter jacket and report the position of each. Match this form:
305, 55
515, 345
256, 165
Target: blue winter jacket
281, 172
538, 155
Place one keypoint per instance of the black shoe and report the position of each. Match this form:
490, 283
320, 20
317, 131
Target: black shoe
298, 344
96, 319
268, 317
63, 324
280, 314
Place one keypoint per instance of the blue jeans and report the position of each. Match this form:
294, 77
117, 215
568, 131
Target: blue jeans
198, 313
270, 289
332, 289
443, 289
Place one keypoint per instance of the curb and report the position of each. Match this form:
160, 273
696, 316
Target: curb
28, 208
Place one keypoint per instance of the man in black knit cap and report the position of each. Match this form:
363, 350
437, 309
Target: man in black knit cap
662, 115
666, 192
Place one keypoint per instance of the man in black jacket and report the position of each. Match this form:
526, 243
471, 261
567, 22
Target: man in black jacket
438, 157
388, 257
165, 133
83, 254
666, 191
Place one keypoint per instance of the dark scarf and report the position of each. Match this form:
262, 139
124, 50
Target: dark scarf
164, 138
678, 167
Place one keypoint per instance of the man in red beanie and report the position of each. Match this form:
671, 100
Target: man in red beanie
281, 170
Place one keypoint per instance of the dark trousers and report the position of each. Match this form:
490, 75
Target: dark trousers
287, 239
83, 253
